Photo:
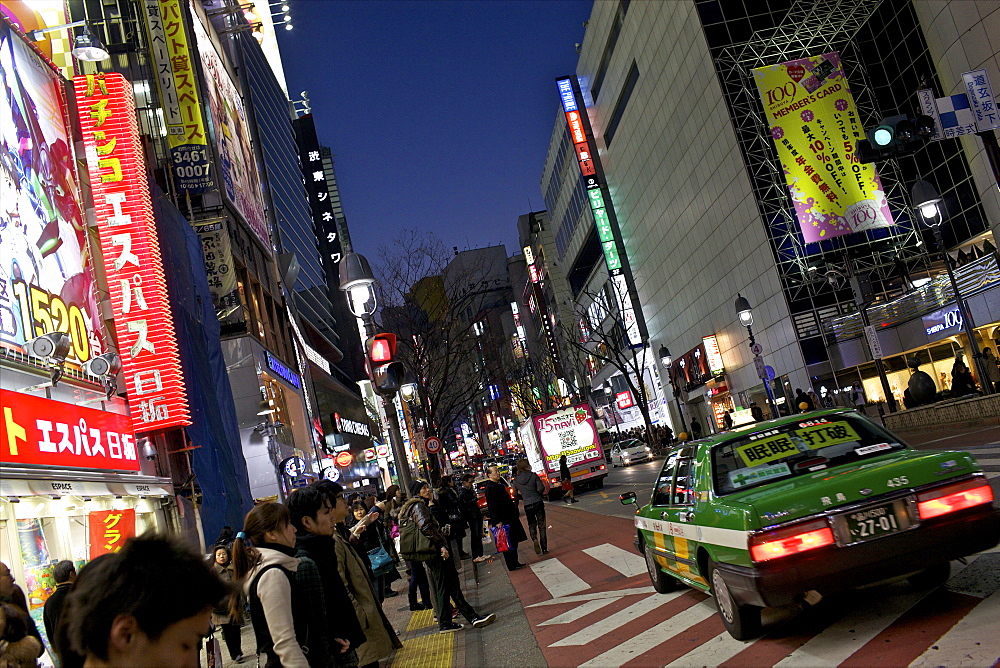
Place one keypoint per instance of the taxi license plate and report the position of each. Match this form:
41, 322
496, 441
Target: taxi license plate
875, 521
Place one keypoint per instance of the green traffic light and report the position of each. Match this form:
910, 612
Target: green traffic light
882, 135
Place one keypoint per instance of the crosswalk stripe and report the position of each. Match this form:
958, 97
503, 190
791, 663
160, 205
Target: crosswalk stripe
841, 639
611, 593
579, 611
650, 638
558, 578
966, 644
615, 621
715, 652
627, 563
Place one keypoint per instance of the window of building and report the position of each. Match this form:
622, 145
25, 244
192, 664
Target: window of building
623, 98
609, 49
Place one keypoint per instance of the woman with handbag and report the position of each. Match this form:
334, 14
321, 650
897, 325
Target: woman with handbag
368, 530
448, 511
228, 615
503, 514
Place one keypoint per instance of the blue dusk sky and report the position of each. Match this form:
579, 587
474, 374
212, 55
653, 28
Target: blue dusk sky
439, 114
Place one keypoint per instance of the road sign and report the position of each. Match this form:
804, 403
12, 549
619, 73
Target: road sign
433, 445
769, 371
756, 349
758, 362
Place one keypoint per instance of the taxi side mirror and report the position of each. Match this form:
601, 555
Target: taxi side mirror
627, 498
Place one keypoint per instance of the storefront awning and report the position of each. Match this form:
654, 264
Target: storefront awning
31, 482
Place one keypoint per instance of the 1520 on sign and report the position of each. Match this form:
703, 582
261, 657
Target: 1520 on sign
43, 312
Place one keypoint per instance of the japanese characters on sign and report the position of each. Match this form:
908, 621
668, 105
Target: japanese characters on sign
605, 220
127, 231
43, 432
216, 246
984, 105
109, 529
713, 355
46, 275
178, 86
325, 223
815, 128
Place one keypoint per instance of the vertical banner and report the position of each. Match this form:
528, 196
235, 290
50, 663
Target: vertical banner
178, 86
216, 247
815, 128
109, 529
127, 229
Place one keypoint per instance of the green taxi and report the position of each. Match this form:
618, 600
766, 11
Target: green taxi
792, 509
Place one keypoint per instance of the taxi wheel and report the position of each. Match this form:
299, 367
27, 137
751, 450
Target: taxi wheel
662, 582
742, 621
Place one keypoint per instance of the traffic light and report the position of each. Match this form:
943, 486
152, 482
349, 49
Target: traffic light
895, 136
386, 375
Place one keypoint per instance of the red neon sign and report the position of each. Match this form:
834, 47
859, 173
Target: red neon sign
343, 459
624, 399
126, 227
43, 432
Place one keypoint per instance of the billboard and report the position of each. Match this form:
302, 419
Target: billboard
569, 431
43, 432
46, 280
815, 128
231, 132
179, 99
131, 250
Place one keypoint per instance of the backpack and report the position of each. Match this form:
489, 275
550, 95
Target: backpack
414, 545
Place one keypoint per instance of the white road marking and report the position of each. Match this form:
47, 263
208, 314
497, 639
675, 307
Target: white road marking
837, 642
625, 562
966, 644
615, 621
558, 578
716, 651
657, 635
580, 611
614, 593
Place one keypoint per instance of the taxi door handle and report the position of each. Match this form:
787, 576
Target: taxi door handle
685, 516
663, 515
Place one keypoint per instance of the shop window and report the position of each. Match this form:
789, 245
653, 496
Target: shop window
943, 352
814, 350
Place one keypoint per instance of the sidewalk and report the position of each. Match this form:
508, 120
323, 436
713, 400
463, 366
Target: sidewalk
509, 641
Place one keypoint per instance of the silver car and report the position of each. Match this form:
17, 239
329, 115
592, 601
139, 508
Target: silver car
631, 451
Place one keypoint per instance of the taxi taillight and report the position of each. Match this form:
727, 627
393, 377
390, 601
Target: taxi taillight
952, 498
790, 540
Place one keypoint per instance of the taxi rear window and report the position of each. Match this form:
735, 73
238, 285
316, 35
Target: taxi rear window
795, 449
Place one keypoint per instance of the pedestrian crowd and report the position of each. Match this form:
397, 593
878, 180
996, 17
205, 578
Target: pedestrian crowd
310, 575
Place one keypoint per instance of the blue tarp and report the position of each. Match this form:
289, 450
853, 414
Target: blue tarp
218, 464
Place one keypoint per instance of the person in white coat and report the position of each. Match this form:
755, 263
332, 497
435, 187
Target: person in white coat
264, 561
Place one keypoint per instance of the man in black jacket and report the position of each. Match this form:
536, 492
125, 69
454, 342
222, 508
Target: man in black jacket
503, 510
310, 508
64, 573
473, 516
441, 566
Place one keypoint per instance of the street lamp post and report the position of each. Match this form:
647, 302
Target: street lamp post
926, 200
745, 314
411, 393
356, 279
667, 360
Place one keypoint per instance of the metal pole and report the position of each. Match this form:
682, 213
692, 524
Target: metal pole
859, 301
763, 377
963, 311
402, 463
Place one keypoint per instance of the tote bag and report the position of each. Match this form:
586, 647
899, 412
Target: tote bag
380, 560
501, 537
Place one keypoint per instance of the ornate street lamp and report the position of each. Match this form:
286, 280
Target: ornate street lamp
745, 314
667, 360
926, 201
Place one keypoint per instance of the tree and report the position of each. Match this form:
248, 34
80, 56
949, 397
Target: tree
433, 323
598, 333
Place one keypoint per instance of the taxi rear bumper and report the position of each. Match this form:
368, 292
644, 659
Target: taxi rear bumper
838, 568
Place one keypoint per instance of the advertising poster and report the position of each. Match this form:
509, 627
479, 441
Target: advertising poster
46, 280
815, 127
569, 431
232, 138
178, 85
109, 529
217, 248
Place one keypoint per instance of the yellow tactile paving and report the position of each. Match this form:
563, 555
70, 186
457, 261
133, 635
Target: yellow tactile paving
423, 646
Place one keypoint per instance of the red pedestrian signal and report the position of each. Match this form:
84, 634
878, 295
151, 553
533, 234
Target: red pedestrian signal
381, 349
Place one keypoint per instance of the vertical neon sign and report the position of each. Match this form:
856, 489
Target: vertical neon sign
127, 230
603, 210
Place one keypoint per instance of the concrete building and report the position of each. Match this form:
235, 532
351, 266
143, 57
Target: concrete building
705, 215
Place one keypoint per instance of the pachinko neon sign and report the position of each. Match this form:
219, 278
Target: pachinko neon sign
125, 223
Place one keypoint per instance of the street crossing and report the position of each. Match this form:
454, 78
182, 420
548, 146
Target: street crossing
590, 603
